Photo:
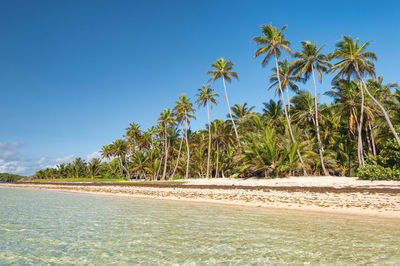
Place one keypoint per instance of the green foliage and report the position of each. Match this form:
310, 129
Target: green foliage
5, 177
385, 166
293, 136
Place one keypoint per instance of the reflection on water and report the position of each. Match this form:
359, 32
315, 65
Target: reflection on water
48, 227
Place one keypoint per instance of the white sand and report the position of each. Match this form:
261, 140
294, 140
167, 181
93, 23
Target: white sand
314, 181
354, 203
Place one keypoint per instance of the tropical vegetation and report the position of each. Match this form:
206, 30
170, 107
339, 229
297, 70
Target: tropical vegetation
357, 133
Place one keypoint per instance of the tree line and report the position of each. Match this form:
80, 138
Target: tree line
292, 136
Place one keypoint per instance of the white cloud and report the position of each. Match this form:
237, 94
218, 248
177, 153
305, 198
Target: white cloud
9, 150
11, 161
42, 160
96, 154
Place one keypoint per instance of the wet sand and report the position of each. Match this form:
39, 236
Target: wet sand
318, 194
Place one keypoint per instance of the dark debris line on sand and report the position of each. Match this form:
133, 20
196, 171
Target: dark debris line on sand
251, 188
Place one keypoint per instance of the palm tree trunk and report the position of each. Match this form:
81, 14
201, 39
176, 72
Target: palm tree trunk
230, 112
166, 153
371, 131
120, 166
367, 135
209, 141
360, 145
287, 116
158, 168
320, 147
384, 113
216, 170
127, 168
288, 98
188, 149
177, 160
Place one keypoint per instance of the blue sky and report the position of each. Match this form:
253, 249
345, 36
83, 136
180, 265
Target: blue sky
74, 74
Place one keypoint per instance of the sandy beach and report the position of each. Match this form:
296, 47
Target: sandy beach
340, 195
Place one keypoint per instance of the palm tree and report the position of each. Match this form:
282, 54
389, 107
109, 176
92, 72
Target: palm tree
221, 133
354, 60
224, 70
179, 156
307, 60
139, 161
93, 168
272, 41
133, 134
166, 118
288, 80
119, 149
184, 109
273, 111
79, 167
241, 110
207, 97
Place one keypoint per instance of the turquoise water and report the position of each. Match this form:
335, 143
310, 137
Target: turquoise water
49, 227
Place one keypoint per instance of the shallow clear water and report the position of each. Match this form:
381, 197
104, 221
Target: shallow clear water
49, 227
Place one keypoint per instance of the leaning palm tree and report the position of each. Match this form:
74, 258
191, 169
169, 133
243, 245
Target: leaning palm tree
166, 118
223, 69
288, 79
354, 60
184, 110
207, 97
307, 60
272, 41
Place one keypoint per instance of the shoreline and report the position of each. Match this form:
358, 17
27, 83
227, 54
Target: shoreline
352, 202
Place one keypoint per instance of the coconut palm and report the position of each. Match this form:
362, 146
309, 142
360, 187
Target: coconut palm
223, 69
133, 134
119, 149
354, 60
79, 167
241, 110
272, 41
221, 136
184, 110
308, 59
288, 79
207, 97
167, 117
273, 111
94, 168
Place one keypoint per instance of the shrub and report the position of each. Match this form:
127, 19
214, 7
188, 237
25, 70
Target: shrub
385, 166
5, 177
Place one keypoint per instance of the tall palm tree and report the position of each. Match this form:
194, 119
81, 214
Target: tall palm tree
308, 59
184, 110
119, 149
133, 134
346, 101
167, 117
382, 92
288, 79
223, 69
354, 60
272, 41
207, 97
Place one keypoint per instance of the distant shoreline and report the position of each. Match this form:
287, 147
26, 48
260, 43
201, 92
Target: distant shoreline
346, 196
